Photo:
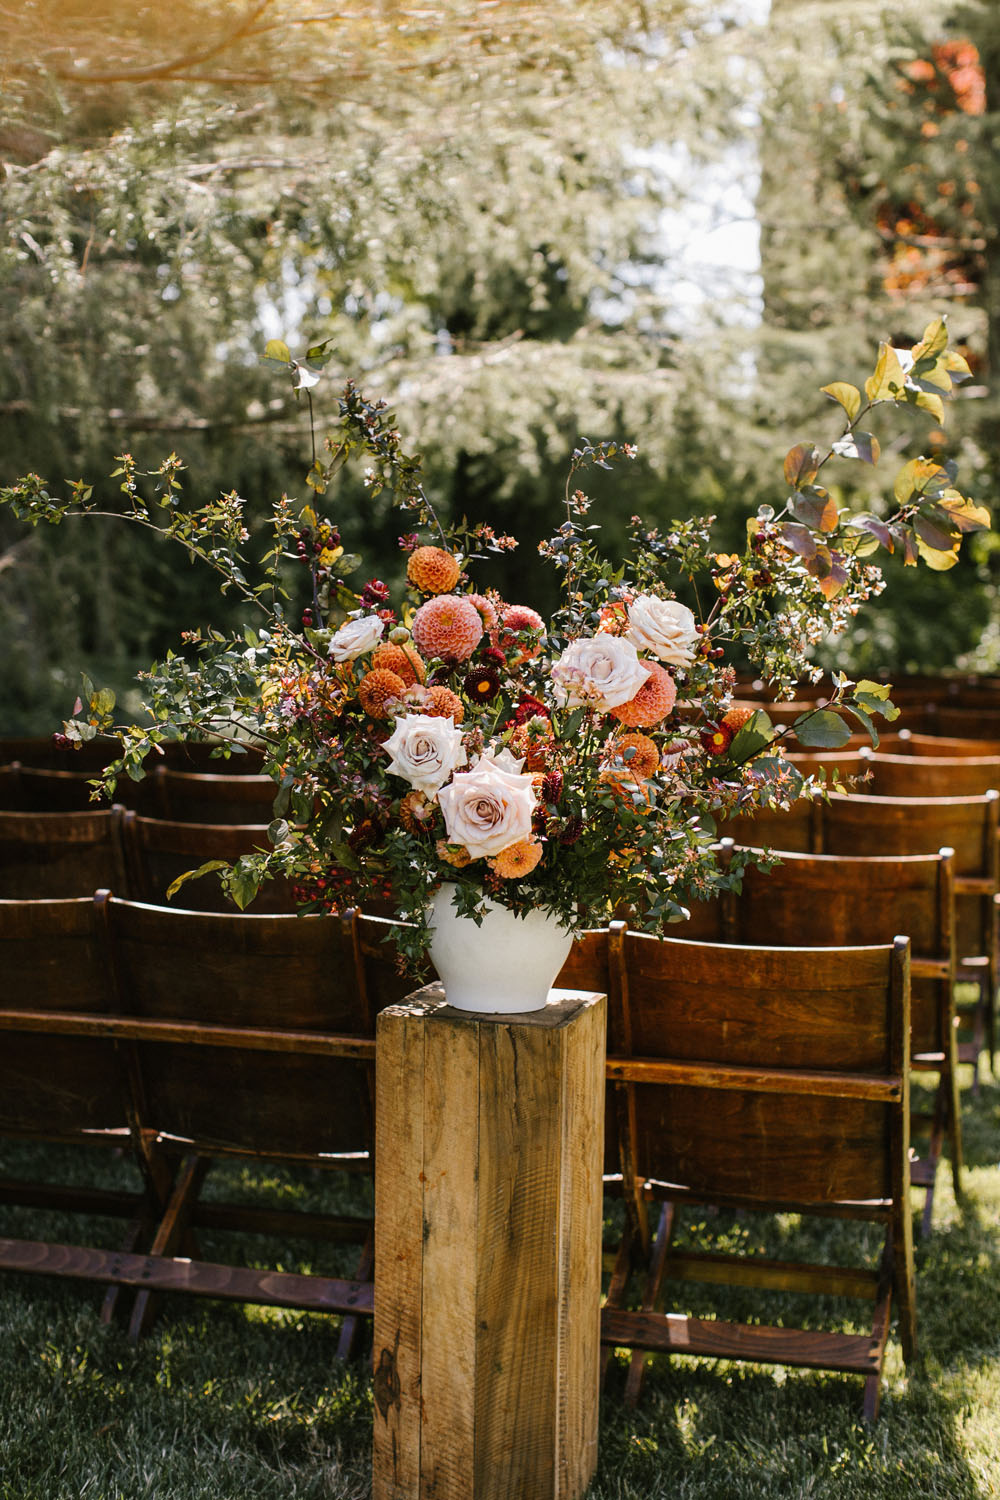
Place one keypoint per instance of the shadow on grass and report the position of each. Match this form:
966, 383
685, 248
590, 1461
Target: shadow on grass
717, 1429
227, 1401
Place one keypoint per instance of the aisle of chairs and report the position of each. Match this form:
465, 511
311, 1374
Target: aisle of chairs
761, 1060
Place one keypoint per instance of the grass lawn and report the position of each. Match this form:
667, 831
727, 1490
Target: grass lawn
224, 1402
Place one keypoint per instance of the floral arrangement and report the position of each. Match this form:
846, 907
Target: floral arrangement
580, 763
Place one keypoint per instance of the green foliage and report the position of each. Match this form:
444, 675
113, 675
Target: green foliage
597, 832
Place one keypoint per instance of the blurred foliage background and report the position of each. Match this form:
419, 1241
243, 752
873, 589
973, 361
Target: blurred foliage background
497, 211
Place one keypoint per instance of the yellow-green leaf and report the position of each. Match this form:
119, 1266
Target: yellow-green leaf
964, 514
278, 350
847, 396
915, 476
931, 403
937, 560
933, 341
957, 367
887, 383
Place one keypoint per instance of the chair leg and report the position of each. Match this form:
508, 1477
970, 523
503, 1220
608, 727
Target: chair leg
173, 1232
616, 1288
654, 1280
350, 1328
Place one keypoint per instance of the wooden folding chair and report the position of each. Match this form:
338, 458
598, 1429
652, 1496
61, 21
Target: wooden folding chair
965, 723
932, 776
41, 752
158, 852
54, 854
50, 791
866, 825
200, 755
63, 1078
759, 1078
829, 900
251, 1036
197, 797
934, 745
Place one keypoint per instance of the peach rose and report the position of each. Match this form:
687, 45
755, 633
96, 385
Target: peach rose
598, 672
356, 637
424, 751
662, 627
488, 808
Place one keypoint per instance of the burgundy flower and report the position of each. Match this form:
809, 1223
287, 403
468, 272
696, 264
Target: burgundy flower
482, 684
571, 831
552, 785
717, 738
374, 592
528, 708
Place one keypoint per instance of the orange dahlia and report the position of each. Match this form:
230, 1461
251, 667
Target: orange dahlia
515, 619
737, 717
517, 859
652, 702
444, 704
403, 660
433, 570
377, 688
486, 608
637, 756
448, 626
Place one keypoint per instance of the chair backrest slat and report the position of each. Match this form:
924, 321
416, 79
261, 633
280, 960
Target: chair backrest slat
53, 957
159, 851
57, 855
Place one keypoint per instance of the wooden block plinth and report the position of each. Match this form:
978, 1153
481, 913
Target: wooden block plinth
489, 1144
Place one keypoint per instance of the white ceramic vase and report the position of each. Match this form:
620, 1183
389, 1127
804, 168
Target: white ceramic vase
506, 966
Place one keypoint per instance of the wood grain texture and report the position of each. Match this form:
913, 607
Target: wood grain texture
488, 1290
399, 1226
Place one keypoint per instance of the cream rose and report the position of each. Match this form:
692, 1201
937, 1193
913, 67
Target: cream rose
599, 672
356, 637
487, 809
425, 751
662, 627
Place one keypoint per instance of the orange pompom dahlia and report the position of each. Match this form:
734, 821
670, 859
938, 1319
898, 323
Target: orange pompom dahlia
448, 626
737, 717
403, 660
652, 702
637, 756
433, 570
377, 689
444, 704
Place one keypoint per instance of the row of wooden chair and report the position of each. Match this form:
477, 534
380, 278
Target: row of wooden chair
50, 753
766, 1078
190, 1037
45, 855
181, 796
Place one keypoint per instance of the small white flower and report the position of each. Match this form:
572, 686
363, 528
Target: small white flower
598, 672
424, 751
488, 808
356, 637
664, 628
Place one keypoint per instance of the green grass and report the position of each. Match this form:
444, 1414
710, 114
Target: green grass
236, 1403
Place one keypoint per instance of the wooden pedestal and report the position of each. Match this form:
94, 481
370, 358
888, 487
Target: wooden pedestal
489, 1145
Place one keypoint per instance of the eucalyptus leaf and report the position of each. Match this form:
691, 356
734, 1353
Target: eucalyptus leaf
821, 730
